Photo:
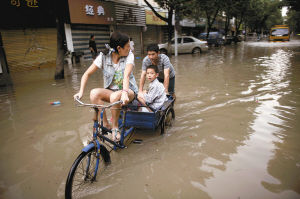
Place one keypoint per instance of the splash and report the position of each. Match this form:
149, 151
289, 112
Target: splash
293, 43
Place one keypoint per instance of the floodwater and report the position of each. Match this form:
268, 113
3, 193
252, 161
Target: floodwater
236, 133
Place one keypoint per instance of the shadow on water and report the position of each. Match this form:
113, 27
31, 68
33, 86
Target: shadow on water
235, 133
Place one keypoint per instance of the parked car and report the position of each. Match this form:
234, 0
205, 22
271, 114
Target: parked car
214, 38
241, 37
228, 40
252, 36
186, 44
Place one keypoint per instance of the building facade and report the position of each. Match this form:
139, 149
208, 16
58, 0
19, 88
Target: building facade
131, 19
28, 30
88, 17
99, 18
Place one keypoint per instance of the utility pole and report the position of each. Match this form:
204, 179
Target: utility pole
175, 32
176, 46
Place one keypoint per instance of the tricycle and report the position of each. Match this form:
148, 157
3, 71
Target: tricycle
95, 156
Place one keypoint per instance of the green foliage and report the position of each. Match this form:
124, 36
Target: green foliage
254, 14
293, 20
181, 7
171, 5
293, 4
293, 15
262, 14
203, 8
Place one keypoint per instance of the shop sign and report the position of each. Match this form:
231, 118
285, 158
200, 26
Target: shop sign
152, 19
27, 13
25, 3
91, 12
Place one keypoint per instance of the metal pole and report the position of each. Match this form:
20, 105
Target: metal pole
175, 34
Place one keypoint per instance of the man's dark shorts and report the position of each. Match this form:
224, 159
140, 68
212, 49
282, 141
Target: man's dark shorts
171, 88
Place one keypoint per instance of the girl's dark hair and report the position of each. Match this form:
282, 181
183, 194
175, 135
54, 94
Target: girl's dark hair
154, 67
117, 39
92, 36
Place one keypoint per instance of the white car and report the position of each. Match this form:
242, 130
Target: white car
186, 44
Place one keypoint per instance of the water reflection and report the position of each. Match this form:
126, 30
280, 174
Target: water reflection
286, 155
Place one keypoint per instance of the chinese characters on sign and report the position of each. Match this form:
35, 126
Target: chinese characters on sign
32, 3
100, 10
15, 3
29, 3
89, 10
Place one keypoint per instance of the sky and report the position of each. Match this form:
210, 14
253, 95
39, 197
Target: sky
284, 11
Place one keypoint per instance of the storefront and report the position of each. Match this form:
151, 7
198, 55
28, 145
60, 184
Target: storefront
28, 32
156, 30
89, 17
130, 19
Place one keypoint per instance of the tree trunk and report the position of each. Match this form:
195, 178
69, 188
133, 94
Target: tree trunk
238, 25
210, 23
59, 72
227, 23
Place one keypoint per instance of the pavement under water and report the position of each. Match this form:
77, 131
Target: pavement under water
235, 135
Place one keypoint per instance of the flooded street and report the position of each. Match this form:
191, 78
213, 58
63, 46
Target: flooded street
236, 133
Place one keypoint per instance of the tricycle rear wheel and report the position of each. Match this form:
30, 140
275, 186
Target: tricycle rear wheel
167, 120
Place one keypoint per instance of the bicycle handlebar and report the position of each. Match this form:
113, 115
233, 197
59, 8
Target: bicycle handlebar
98, 105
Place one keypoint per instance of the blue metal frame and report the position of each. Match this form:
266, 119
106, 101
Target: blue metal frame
146, 120
124, 134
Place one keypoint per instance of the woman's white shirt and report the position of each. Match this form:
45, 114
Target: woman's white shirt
117, 81
129, 60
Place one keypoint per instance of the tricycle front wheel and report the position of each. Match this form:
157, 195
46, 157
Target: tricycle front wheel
82, 174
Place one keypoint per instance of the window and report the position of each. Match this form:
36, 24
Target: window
188, 40
280, 32
178, 41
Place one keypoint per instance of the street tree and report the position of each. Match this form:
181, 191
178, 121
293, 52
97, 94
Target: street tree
240, 13
209, 9
59, 70
228, 11
263, 14
172, 6
293, 4
234, 9
293, 15
293, 20
59, 10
